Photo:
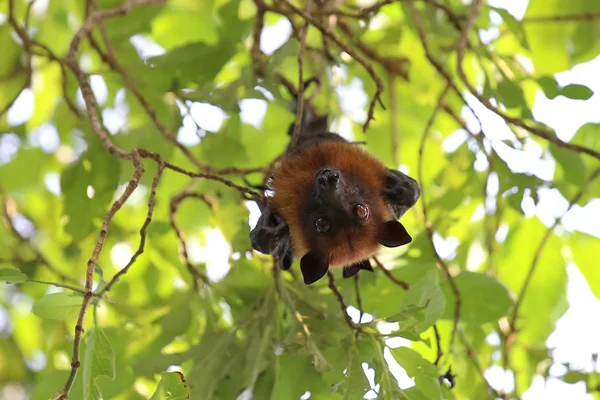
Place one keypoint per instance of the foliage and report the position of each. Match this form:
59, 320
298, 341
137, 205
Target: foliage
120, 174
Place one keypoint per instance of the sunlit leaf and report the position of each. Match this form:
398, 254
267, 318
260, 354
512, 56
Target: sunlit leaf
12, 275
171, 387
59, 306
98, 360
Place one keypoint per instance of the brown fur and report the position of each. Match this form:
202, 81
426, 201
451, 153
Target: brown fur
294, 177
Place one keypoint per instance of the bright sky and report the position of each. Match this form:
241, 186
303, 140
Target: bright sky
576, 335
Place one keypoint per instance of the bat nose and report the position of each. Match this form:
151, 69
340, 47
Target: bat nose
327, 177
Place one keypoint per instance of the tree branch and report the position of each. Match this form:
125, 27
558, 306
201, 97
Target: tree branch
140, 250
378, 82
540, 250
440, 262
543, 133
300, 98
183, 253
387, 272
89, 279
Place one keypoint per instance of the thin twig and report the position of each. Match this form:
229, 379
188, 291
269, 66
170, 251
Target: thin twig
149, 154
438, 341
358, 298
395, 132
543, 133
39, 256
473, 356
140, 250
22, 33
540, 250
378, 82
586, 16
401, 283
340, 299
300, 98
397, 66
61, 285
440, 262
436, 64
89, 279
183, 253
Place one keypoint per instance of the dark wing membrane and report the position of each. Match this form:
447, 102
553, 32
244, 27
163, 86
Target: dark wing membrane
400, 192
271, 235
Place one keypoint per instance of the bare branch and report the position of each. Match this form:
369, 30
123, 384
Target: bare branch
140, 250
378, 82
183, 253
358, 298
583, 17
9, 208
89, 279
540, 132
340, 300
540, 250
22, 33
300, 98
438, 341
440, 262
401, 283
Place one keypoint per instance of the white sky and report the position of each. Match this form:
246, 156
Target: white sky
576, 335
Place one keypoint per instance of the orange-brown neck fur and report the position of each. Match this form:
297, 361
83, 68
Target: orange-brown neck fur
294, 178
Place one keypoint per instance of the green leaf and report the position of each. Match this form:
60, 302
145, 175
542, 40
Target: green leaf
545, 298
574, 377
425, 293
516, 27
30, 164
585, 251
99, 360
100, 170
138, 20
171, 387
483, 298
183, 61
12, 275
571, 164
224, 148
424, 372
356, 383
552, 89
577, 92
511, 94
58, 306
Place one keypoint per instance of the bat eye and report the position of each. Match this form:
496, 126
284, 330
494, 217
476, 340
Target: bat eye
361, 211
321, 225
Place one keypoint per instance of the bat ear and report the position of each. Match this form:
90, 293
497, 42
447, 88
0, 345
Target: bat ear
285, 260
351, 270
393, 234
313, 266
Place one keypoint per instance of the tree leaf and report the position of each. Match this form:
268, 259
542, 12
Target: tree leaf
96, 169
424, 372
585, 251
356, 383
516, 27
12, 275
424, 293
577, 92
171, 387
483, 298
58, 306
99, 360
